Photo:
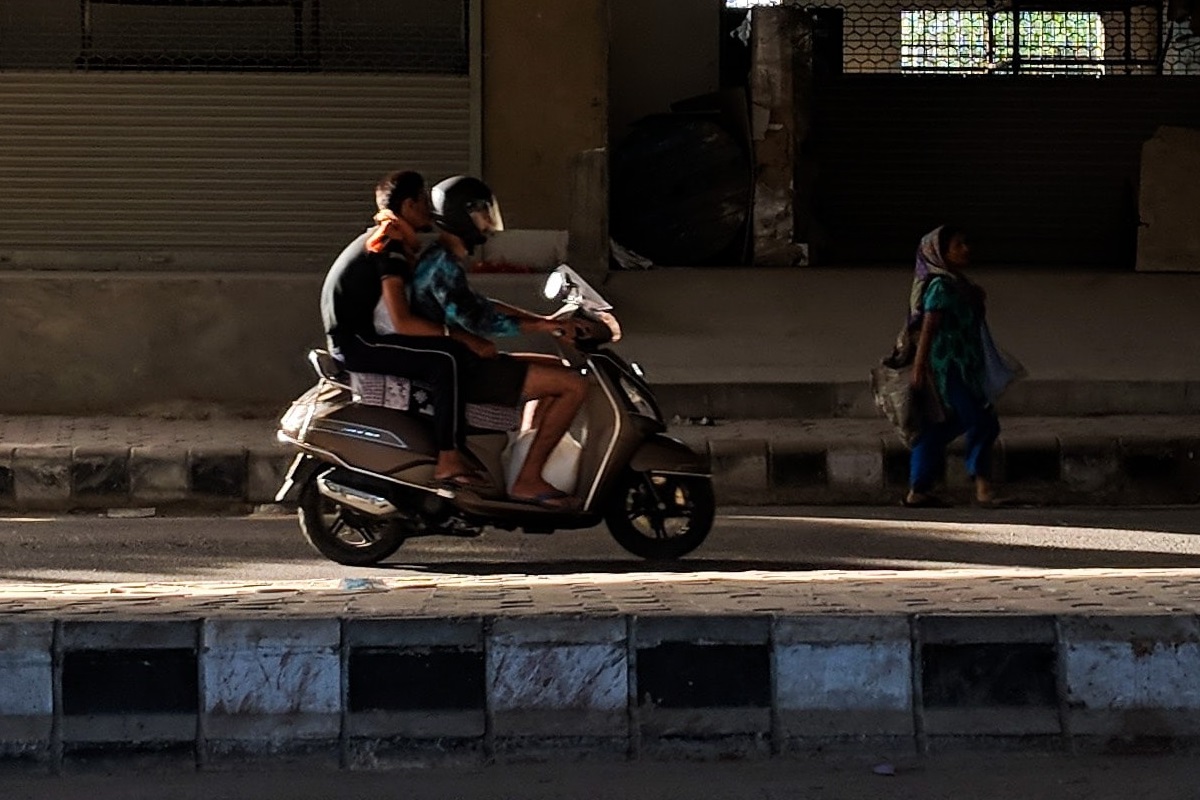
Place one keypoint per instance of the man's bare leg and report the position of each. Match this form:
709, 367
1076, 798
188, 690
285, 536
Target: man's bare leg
533, 421
566, 390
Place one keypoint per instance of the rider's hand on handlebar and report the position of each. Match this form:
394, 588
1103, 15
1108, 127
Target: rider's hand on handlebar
572, 330
554, 327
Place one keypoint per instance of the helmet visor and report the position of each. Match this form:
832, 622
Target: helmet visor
487, 216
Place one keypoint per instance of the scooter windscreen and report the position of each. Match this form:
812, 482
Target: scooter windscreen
567, 285
594, 325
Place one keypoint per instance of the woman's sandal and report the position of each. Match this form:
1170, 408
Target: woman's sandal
924, 501
996, 502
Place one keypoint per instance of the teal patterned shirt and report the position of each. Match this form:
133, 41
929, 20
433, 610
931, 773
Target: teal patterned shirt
956, 345
439, 292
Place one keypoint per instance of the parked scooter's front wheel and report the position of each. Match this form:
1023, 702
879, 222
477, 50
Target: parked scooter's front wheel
661, 516
343, 535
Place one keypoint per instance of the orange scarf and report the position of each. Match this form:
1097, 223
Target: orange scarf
394, 229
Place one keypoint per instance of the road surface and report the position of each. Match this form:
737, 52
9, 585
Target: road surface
95, 548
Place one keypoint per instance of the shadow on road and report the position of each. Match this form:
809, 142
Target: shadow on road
84, 550
827, 540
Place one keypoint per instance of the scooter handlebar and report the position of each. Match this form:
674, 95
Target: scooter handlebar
594, 329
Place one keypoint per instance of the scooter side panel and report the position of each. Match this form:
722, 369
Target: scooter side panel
374, 439
600, 423
618, 433
632, 433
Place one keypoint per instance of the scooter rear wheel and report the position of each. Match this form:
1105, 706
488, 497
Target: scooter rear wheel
661, 517
345, 536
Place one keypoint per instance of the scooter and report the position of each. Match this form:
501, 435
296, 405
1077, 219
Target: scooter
363, 474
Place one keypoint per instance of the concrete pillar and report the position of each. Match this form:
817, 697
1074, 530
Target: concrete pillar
780, 92
1168, 239
545, 98
587, 244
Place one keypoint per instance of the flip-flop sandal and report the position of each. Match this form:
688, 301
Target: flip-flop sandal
928, 501
554, 500
463, 480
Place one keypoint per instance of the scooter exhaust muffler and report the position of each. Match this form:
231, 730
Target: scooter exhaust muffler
357, 499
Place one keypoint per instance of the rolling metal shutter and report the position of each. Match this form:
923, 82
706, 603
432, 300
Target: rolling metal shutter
226, 170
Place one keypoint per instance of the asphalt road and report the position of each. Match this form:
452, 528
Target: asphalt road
949, 776
95, 548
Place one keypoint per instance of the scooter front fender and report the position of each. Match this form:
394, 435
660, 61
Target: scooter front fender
662, 453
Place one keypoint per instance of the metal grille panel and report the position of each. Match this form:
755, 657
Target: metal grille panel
425, 36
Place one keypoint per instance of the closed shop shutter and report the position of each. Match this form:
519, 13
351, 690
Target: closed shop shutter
211, 170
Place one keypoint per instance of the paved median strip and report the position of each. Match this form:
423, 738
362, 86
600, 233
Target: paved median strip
360, 674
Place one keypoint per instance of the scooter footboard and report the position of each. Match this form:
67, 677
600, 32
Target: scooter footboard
662, 453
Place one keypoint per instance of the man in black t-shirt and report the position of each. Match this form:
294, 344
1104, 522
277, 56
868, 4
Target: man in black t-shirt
369, 326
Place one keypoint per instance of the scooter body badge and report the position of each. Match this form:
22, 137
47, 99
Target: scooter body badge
369, 434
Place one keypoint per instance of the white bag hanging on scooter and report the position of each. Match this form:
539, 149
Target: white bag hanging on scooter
562, 467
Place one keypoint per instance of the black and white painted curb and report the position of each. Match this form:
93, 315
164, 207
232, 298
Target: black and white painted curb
749, 471
369, 693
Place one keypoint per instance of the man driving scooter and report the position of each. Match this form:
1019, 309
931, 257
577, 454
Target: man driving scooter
467, 213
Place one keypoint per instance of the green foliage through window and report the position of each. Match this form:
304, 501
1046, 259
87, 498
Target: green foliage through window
983, 41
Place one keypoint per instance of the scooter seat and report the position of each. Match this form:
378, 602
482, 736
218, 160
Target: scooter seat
405, 394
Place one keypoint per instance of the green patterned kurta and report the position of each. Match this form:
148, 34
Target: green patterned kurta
956, 345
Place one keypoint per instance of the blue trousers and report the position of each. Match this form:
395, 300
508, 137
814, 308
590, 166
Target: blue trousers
965, 415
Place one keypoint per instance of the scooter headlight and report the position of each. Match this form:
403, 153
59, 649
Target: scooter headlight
556, 286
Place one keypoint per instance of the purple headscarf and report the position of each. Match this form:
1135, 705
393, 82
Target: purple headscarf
929, 264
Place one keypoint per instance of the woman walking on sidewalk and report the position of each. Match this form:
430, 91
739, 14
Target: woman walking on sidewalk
949, 368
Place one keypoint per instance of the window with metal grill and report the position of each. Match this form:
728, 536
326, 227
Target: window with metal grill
988, 41
1101, 38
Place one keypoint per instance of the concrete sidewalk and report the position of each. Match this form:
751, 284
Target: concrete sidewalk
64, 463
777, 358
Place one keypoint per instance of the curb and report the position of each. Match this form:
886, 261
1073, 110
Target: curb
853, 399
1036, 470
858, 468
371, 693
62, 478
